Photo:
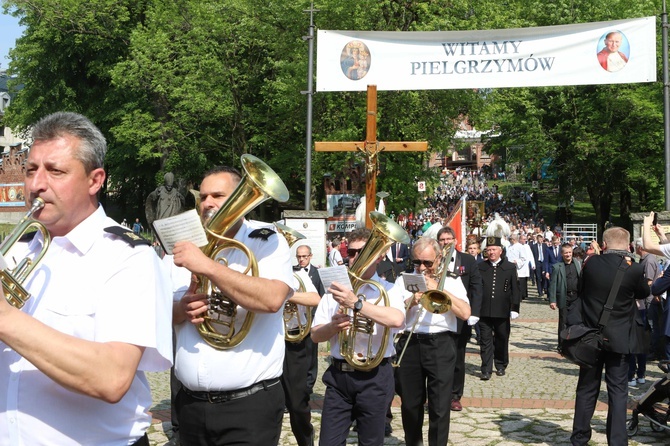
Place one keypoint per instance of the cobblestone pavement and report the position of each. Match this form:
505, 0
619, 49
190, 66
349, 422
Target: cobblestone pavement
532, 405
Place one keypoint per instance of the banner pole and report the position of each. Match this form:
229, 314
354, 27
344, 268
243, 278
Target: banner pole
666, 106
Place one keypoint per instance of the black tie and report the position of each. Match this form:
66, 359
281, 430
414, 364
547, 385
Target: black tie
307, 269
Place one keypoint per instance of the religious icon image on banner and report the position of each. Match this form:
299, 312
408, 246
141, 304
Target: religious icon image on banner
613, 51
355, 60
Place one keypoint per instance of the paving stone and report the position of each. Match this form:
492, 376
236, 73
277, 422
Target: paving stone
532, 405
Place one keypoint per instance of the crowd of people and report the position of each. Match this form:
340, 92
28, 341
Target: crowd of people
72, 374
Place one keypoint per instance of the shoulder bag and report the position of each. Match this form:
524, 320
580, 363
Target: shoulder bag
582, 345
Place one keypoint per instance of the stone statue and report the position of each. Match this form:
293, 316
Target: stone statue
165, 201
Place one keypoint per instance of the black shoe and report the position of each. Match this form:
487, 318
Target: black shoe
485, 376
388, 430
500, 372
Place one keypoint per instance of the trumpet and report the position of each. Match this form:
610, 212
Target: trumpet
292, 311
12, 279
384, 233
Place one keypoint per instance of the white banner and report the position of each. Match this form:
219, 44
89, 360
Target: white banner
616, 52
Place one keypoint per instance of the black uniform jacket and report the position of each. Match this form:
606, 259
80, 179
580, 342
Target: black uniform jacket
501, 289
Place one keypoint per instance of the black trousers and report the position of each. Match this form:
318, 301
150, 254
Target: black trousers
523, 287
540, 281
494, 337
459, 370
588, 388
254, 420
562, 319
296, 392
313, 372
360, 396
426, 370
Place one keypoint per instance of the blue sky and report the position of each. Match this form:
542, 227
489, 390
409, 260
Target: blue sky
9, 32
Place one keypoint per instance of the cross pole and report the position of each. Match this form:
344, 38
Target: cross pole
371, 148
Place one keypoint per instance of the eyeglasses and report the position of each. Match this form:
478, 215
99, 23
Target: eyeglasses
426, 263
351, 252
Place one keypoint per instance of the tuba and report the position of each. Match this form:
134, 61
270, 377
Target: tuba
258, 184
291, 310
385, 232
12, 279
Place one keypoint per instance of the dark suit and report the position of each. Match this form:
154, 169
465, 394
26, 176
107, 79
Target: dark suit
466, 267
620, 339
501, 295
660, 286
551, 258
558, 292
403, 254
312, 349
540, 279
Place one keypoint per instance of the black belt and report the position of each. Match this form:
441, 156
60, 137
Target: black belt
344, 366
223, 396
142, 441
429, 336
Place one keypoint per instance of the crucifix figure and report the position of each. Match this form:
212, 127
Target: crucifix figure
371, 149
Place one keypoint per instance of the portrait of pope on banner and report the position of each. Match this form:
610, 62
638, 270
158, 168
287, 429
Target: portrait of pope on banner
613, 51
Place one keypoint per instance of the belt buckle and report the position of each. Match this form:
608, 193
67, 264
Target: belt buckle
218, 398
346, 367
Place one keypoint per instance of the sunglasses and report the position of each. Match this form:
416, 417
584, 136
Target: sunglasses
426, 263
351, 252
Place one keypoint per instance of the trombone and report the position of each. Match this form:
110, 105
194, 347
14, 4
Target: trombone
435, 301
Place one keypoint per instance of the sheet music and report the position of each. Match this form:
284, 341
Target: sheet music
337, 274
414, 282
183, 227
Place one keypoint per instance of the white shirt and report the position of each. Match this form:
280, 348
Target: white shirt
431, 322
260, 355
328, 307
94, 286
335, 257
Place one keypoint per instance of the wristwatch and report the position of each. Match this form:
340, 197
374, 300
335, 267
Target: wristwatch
358, 306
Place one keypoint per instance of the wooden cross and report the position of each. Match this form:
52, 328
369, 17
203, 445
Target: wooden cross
371, 148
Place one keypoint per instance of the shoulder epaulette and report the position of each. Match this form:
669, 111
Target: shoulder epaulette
127, 236
263, 233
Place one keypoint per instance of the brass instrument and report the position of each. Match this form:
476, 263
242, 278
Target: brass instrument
258, 184
12, 279
291, 310
435, 301
438, 301
385, 232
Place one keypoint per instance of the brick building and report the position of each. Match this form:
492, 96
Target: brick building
13, 153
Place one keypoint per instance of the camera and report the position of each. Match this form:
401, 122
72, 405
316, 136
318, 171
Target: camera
654, 222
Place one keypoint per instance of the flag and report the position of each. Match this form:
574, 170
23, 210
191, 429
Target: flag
455, 222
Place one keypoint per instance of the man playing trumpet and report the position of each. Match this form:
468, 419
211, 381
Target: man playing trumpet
426, 367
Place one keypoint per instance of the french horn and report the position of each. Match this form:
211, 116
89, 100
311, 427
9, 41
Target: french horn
385, 232
291, 310
12, 279
258, 184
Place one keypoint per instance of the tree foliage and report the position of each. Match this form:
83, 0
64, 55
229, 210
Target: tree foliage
183, 85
